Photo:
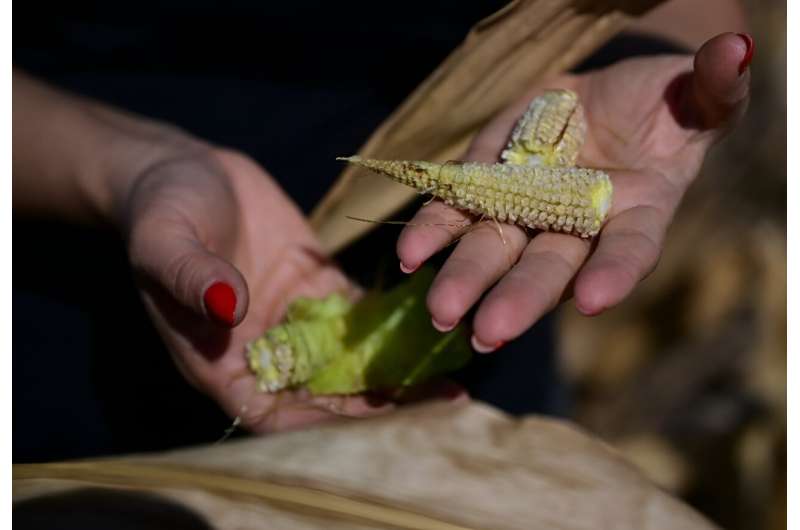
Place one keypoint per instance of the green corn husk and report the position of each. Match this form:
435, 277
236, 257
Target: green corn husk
332, 346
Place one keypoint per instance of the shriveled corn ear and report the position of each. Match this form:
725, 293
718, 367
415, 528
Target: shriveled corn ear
550, 133
537, 186
564, 199
289, 354
333, 346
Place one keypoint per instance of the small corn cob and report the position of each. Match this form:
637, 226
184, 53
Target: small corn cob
537, 186
550, 133
563, 199
333, 346
289, 354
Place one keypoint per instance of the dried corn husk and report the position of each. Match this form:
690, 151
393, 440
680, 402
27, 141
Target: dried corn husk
440, 466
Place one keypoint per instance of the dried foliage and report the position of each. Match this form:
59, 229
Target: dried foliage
688, 377
437, 467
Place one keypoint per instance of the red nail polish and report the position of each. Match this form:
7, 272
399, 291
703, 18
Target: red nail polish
748, 55
220, 301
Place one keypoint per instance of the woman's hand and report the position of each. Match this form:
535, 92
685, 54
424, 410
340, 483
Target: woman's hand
650, 123
219, 251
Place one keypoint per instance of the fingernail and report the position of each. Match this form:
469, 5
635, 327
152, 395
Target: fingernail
587, 311
582, 309
748, 55
407, 270
480, 347
220, 302
444, 328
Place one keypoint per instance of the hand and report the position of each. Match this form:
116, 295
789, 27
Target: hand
650, 123
219, 251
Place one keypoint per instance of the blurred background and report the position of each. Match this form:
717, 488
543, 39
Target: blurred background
687, 378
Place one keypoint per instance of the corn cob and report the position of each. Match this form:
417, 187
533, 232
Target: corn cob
550, 133
571, 200
537, 186
332, 346
282, 356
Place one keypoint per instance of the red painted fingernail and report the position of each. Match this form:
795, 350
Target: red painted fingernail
220, 301
748, 55
480, 347
407, 270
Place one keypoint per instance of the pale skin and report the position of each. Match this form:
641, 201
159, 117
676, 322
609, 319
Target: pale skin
193, 214
651, 122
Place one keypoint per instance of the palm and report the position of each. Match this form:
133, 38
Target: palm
631, 111
234, 210
650, 122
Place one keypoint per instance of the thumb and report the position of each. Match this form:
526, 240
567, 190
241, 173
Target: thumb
200, 280
720, 85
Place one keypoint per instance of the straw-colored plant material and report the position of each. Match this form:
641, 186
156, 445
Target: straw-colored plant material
504, 54
437, 467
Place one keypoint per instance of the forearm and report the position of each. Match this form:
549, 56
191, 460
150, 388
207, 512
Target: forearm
74, 158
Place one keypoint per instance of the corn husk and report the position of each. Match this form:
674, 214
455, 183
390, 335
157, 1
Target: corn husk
436, 467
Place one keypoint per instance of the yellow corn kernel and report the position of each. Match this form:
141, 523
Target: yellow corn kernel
550, 133
558, 199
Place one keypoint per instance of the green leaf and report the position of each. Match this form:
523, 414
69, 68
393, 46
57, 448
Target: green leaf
385, 341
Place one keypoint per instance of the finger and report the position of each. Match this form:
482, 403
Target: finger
264, 412
433, 227
534, 286
479, 260
628, 250
436, 225
299, 410
199, 280
720, 84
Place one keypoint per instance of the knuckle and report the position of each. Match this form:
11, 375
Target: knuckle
141, 247
179, 275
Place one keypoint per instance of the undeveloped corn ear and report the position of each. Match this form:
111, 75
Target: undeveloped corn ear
550, 133
333, 346
562, 199
537, 186
289, 354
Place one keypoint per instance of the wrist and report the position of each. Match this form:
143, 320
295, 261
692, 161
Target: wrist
132, 146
